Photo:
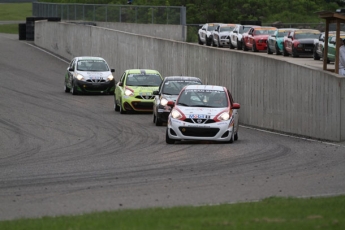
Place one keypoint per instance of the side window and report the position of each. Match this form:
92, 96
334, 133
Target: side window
73, 64
122, 79
231, 99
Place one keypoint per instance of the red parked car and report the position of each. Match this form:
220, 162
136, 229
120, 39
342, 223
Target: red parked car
300, 42
256, 39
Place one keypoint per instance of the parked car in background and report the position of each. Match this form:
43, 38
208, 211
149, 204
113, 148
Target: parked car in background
300, 42
168, 91
205, 33
203, 112
221, 35
89, 75
320, 43
332, 47
275, 41
256, 39
237, 34
134, 91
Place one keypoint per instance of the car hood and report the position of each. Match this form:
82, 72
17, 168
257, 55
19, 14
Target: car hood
147, 90
261, 36
94, 75
200, 112
224, 33
170, 97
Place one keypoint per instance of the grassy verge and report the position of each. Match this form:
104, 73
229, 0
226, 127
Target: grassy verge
271, 213
13, 12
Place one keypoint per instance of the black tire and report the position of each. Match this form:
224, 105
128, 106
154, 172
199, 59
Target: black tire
315, 55
285, 53
209, 41
277, 50
168, 140
294, 53
116, 107
67, 90
231, 46
74, 90
213, 44
254, 49
269, 50
199, 41
156, 120
244, 47
121, 109
218, 44
236, 137
239, 45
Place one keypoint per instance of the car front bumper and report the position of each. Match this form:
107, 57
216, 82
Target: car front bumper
218, 131
95, 87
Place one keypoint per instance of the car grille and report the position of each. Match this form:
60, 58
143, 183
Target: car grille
137, 105
308, 46
199, 121
198, 131
95, 80
143, 97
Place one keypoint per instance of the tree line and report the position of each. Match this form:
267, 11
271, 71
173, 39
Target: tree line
234, 11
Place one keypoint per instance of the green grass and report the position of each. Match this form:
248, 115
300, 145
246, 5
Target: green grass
14, 12
272, 213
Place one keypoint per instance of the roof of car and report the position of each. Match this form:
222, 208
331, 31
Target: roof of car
142, 71
89, 58
205, 87
177, 78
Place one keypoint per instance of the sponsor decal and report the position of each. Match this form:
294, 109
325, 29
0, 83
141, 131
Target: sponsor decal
199, 116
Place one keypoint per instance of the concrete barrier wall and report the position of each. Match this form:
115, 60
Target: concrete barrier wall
274, 94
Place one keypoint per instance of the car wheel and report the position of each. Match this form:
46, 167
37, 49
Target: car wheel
236, 137
158, 122
285, 53
218, 44
67, 90
277, 50
121, 109
239, 45
315, 55
294, 53
231, 46
209, 41
213, 44
244, 47
254, 49
116, 107
74, 90
199, 41
168, 140
269, 50
328, 61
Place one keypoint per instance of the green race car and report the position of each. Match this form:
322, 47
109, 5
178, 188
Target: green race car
134, 90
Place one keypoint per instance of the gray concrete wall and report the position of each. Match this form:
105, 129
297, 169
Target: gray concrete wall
274, 94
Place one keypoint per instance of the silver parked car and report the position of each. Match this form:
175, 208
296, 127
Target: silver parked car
203, 112
205, 33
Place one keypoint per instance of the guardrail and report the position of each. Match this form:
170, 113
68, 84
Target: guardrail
174, 15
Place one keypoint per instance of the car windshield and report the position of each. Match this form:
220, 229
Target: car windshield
203, 98
306, 35
264, 32
282, 33
210, 28
175, 87
143, 80
244, 29
228, 28
92, 65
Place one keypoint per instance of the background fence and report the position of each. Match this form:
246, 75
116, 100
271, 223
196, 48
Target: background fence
175, 15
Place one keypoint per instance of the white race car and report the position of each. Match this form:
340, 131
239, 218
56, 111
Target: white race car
203, 112
205, 33
221, 35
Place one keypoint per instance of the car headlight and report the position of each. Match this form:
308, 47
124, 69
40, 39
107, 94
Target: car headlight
129, 92
176, 114
164, 101
110, 77
224, 116
80, 77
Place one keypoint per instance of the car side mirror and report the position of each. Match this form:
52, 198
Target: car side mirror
155, 92
112, 70
70, 69
290, 37
321, 39
236, 106
120, 84
171, 103
235, 32
273, 36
